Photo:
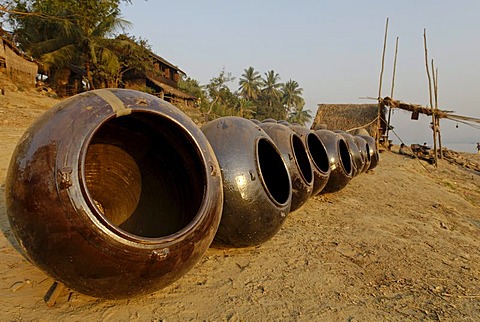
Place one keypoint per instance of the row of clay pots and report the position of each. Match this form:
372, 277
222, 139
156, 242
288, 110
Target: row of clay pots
117, 193
271, 168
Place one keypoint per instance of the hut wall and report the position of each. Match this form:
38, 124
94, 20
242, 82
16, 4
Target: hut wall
165, 77
17, 68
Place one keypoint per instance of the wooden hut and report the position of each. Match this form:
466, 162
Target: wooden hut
161, 79
15, 64
350, 116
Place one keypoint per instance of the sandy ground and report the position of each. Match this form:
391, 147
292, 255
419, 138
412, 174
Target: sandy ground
399, 243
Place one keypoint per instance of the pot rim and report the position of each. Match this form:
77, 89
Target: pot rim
104, 223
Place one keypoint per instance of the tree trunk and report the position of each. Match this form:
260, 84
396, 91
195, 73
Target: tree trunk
210, 109
89, 74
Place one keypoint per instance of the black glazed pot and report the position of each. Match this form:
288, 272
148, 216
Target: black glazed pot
364, 148
358, 158
318, 157
269, 120
298, 163
114, 193
284, 122
256, 182
341, 168
373, 151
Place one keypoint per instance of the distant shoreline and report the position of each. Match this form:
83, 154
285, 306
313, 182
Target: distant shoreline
459, 147
462, 147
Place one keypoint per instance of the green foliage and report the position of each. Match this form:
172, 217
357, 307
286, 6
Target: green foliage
130, 55
222, 101
191, 86
62, 33
257, 98
247, 109
250, 83
292, 96
299, 115
79, 35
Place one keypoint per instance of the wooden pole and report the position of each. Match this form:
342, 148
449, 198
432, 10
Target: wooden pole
434, 120
393, 85
435, 92
380, 104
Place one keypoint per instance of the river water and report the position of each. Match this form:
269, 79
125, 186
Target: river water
462, 147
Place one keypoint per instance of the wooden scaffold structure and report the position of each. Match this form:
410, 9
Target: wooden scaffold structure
416, 109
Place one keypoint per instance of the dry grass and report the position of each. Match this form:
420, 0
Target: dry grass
348, 116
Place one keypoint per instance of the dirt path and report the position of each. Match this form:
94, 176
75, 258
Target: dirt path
399, 243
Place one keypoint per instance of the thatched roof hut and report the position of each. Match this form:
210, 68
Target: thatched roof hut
349, 116
16, 64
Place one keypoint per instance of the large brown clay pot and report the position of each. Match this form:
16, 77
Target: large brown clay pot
298, 163
256, 182
341, 168
318, 156
114, 193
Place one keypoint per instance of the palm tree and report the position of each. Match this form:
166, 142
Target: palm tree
291, 95
90, 42
76, 34
300, 116
250, 82
246, 108
271, 88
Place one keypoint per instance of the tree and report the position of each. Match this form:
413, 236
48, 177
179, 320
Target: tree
271, 85
132, 55
291, 96
191, 86
246, 108
250, 83
221, 97
299, 115
271, 92
75, 33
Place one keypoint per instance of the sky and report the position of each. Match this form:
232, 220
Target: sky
333, 49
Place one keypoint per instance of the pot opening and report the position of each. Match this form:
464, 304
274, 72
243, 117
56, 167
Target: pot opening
302, 159
144, 175
318, 153
273, 171
369, 157
344, 153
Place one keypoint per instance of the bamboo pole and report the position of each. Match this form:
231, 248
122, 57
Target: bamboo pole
393, 85
435, 92
380, 104
434, 119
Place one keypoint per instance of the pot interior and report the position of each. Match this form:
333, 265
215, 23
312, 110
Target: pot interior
273, 171
144, 174
302, 159
318, 153
344, 153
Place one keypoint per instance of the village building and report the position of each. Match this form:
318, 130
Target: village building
161, 79
20, 68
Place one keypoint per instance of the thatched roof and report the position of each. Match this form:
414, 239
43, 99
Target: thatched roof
348, 117
169, 89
